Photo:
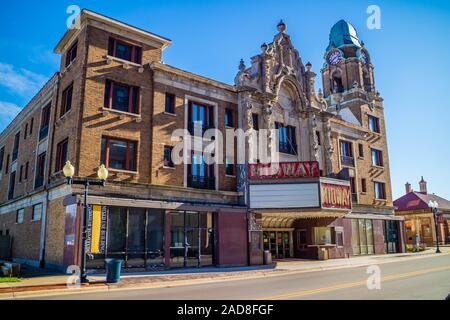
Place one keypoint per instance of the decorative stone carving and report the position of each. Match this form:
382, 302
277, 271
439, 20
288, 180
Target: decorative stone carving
314, 138
329, 148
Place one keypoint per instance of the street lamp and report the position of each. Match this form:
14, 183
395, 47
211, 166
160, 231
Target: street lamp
434, 208
102, 174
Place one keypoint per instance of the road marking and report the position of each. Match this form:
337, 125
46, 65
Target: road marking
303, 293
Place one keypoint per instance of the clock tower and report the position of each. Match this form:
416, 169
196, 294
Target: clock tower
347, 62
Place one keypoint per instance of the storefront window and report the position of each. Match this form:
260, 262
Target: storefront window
136, 237
155, 237
322, 235
362, 236
192, 239
117, 224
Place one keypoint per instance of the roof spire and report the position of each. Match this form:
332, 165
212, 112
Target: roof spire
281, 26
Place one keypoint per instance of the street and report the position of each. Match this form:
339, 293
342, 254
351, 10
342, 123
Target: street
423, 279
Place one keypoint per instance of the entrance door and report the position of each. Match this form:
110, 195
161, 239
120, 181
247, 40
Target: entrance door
278, 243
391, 236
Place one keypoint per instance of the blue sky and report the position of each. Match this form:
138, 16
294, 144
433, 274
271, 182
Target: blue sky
410, 54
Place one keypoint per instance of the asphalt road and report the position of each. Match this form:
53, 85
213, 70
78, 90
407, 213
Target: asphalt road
424, 279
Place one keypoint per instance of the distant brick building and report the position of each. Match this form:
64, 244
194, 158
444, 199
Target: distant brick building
114, 102
419, 219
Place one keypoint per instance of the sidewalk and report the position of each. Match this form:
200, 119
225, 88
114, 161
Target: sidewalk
57, 283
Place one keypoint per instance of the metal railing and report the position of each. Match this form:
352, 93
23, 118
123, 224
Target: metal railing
348, 161
201, 182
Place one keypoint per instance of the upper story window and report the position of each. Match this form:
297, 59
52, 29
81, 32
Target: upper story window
347, 158
229, 168
71, 54
26, 170
168, 163
201, 117
229, 118
2, 156
66, 103
360, 150
170, 103
31, 126
200, 174
380, 190
7, 164
319, 138
363, 185
40, 170
45, 121
12, 185
25, 132
119, 154
15, 153
124, 51
121, 97
374, 124
37, 212
377, 158
255, 121
19, 216
287, 139
61, 155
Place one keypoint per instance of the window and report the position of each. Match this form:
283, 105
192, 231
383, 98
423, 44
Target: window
124, 51
255, 119
302, 239
19, 216
25, 132
7, 164
353, 189
31, 126
121, 97
322, 236
374, 124
287, 139
71, 54
26, 170
339, 238
170, 103
201, 118
377, 158
319, 140
380, 190
168, 163
66, 103
363, 185
37, 212
21, 173
2, 155
360, 150
61, 154
347, 153
16, 147
229, 118
119, 154
12, 184
200, 174
40, 170
229, 168
45, 121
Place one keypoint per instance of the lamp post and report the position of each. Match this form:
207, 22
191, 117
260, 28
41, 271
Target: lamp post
102, 174
434, 208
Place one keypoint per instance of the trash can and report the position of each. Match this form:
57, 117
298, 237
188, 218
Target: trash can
322, 254
267, 258
113, 269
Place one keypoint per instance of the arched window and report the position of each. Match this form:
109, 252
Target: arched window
336, 83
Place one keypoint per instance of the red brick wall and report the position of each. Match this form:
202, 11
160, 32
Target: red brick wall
232, 238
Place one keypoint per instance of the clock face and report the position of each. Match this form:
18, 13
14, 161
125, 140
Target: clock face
335, 57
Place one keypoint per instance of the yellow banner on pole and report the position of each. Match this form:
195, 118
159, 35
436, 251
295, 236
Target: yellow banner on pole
96, 226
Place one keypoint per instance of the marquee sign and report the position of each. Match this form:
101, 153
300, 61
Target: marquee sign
283, 170
335, 196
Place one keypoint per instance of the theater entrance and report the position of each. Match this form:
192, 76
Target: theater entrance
279, 243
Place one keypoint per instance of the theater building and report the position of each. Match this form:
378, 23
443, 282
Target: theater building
114, 102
